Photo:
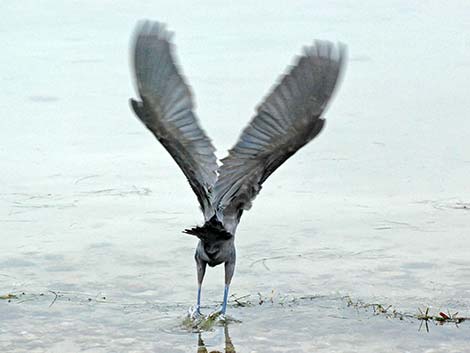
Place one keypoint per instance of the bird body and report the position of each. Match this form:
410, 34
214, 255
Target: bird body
215, 253
288, 118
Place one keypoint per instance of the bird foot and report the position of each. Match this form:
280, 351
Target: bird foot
194, 313
217, 314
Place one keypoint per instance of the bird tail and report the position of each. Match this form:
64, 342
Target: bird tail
212, 230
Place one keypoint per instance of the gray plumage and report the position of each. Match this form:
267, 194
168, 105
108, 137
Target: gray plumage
289, 117
167, 110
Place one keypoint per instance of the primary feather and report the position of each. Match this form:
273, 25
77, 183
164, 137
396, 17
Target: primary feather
289, 117
166, 109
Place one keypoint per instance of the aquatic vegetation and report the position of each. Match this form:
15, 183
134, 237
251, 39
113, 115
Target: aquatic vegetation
440, 319
207, 322
271, 298
51, 296
424, 316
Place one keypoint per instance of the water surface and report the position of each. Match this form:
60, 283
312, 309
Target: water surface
92, 208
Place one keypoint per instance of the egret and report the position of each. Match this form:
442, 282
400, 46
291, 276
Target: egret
289, 117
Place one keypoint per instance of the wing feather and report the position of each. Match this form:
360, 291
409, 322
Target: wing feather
166, 109
289, 117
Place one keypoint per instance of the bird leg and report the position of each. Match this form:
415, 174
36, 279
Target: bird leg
201, 271
229, 269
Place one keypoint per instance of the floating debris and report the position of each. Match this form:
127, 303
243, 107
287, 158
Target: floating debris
8, 296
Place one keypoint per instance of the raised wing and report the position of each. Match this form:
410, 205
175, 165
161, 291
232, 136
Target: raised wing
166, 109
289, 117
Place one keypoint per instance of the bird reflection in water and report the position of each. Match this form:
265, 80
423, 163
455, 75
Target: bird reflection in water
229, 348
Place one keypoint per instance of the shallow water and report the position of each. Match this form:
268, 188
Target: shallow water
92, 208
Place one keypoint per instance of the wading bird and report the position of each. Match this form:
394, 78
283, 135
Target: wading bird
288, 118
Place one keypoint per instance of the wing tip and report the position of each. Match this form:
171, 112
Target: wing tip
334, 58
151, 28
326, 50
145, 32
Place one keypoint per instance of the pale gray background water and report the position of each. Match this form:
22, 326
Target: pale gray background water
91, 206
